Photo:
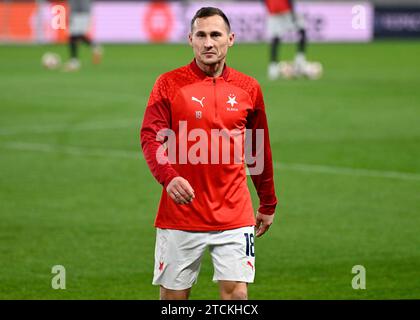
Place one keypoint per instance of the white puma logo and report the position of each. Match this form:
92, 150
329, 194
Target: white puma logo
199, 101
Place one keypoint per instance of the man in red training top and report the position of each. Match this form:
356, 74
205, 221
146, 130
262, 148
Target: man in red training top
203, 123
282, 19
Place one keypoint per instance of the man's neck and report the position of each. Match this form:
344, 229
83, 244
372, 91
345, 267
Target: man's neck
213, 70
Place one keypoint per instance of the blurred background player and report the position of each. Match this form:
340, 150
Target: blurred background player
80, 13
281, 20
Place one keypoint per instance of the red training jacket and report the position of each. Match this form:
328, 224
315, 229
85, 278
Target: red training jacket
191, 104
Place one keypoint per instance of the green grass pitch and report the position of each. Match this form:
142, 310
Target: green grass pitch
75, 190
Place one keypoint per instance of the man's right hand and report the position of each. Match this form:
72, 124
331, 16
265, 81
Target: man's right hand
180, 190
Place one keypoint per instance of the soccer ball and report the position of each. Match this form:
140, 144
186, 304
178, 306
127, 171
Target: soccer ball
286, 70
313, 70
51, 60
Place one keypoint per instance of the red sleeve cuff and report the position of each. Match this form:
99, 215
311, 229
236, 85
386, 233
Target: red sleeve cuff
170, 178
267, 209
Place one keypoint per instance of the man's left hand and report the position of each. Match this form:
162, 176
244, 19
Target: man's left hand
263, 223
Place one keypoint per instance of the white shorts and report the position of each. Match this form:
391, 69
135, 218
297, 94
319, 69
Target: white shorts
178, 256
79, 23
280, 24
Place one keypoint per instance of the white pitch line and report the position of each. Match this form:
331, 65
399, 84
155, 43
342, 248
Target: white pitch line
115, 153
72, 150
66, 127
347, 171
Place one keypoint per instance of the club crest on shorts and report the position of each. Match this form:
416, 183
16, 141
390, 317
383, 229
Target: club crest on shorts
198, 114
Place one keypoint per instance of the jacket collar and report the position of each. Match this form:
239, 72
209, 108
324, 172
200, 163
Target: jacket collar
200, 73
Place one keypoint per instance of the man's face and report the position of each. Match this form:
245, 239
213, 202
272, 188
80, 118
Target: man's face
210, 39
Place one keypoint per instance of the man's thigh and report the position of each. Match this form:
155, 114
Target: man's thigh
233, 290
79, 23
168, 294
233, 254
178, 258
282, 24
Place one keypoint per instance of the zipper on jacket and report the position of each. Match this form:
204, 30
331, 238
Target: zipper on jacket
215, 98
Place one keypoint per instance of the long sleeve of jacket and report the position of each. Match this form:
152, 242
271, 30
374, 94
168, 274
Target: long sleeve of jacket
157, 118
264, 181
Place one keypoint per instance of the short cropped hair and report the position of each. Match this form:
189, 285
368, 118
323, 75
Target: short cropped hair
209, 12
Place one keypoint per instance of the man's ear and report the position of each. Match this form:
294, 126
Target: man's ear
231, 39
190, 39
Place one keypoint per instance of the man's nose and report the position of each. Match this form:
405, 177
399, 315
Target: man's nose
208, 43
